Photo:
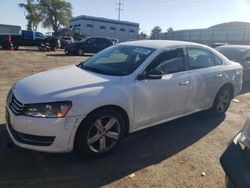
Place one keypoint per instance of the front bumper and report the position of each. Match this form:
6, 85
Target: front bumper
236, 164
53, 135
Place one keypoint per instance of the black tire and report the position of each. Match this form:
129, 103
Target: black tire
88, 130
16, 47
80, 52
222, 101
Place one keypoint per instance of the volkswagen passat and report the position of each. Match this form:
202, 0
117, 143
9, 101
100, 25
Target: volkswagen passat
122, 89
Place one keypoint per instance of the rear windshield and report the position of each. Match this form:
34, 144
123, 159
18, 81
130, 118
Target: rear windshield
232, 53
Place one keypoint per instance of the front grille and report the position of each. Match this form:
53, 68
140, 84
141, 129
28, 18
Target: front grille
15, 105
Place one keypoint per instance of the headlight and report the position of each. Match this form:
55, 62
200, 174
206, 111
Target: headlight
50, 110
245, 135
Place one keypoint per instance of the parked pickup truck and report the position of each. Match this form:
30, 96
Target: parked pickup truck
27, 38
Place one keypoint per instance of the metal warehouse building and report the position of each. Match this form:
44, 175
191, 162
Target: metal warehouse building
103, 27
232, 33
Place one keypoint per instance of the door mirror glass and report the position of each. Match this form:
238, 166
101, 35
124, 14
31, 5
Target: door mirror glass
151, 75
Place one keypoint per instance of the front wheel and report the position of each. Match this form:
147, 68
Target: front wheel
222, 101
100, 133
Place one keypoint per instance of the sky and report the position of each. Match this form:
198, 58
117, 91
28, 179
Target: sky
178, 14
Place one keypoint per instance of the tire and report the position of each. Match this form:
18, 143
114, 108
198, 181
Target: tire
16, 47
80, 52
100, 133
222, 101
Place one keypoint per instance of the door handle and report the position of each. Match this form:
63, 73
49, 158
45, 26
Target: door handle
218, 76
184, 83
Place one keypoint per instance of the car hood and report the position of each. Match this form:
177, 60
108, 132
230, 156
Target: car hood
60, 83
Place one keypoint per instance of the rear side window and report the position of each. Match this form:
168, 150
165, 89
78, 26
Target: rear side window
200, 58
103, 41
217, 60
168, 62
91, 41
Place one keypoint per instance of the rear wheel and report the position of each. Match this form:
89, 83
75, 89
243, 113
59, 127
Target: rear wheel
222, 101
100, 133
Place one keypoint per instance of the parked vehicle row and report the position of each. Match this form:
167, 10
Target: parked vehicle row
122, 89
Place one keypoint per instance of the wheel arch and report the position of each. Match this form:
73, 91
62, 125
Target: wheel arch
230, 86
114, 107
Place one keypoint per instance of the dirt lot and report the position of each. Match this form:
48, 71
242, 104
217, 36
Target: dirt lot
173, 154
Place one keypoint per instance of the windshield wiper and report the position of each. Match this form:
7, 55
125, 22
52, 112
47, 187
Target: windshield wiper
92, 69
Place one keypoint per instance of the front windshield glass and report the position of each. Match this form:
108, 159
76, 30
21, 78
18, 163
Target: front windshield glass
83, 40
119, 60
232, 53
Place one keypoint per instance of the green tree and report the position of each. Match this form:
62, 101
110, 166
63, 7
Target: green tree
142, 36
55, 13
170, 29
155, 33
31, 14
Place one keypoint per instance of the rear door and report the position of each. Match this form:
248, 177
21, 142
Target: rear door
102, 43
206, 77
90, 45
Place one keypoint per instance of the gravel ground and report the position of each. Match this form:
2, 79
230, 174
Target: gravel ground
172, 154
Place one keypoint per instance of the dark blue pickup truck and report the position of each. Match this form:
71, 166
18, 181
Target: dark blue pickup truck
27, 38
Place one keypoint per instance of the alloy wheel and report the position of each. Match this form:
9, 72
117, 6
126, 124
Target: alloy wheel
224, 101
103, 134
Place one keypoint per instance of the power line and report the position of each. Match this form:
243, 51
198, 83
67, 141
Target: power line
119, 3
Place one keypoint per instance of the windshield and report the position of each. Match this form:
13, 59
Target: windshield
83, 40
119, 60
232, 53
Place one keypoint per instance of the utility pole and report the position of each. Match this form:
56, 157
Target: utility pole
119, 3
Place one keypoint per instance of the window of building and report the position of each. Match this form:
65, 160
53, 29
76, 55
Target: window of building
131, 31
112, 29
90, 25
122, 30
102, 27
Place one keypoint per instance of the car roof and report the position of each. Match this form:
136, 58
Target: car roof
235, 46
98, 38
159, 44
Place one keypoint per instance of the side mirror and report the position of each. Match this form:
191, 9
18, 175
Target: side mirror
151, 75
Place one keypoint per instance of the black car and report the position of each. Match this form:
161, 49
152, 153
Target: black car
240, 54
88, 45
236, 160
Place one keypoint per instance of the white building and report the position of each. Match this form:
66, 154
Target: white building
103, 27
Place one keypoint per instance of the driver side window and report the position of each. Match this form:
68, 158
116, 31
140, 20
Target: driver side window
168, 62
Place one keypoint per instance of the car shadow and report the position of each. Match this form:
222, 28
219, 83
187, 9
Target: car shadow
20, 167
245, 87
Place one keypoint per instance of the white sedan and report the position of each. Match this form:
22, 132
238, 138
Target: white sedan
130, 86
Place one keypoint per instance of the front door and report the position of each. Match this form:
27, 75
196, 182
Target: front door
157, 100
